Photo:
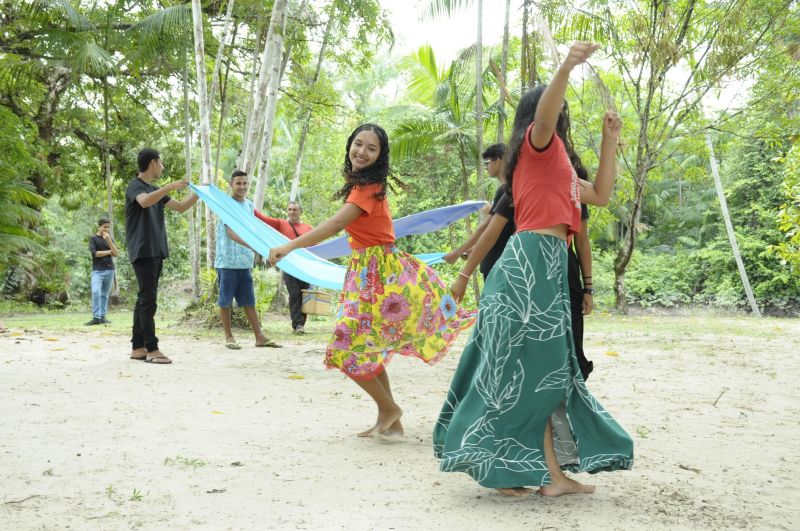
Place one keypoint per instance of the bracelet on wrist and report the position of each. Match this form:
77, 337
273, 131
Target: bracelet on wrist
588, 291
463, 275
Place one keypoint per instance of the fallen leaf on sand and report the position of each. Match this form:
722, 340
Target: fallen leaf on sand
51, 339
17, 334
216, 412
612, 353
57, 348
296, 377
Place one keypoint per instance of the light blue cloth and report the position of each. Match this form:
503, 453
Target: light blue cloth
231, 255
300, 263
419, 223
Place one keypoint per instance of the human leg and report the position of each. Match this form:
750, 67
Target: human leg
559, 483
105, 291
397, 427
227, 287
148, 273
97, 284
388, 411
295, 286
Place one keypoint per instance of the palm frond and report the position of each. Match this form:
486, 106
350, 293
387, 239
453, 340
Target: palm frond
437, 8
93, 60
42, 12
167, 28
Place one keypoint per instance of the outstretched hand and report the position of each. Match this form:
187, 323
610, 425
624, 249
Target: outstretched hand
578, 54
612, 125
276, 254
180, 184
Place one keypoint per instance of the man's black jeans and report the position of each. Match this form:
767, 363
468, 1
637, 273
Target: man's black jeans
148, 273
294, 287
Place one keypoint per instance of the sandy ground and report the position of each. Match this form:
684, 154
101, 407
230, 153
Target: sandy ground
236, 440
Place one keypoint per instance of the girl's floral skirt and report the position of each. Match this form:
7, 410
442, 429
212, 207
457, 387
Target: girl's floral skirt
392, 303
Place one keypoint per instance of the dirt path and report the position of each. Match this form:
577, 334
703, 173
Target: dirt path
238, 440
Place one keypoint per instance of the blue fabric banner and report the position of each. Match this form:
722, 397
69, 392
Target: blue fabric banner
300, 263
420, 223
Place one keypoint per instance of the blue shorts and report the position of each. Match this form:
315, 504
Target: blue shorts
235, 283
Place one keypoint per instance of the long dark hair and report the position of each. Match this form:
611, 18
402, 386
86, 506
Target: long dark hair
526, 111
378, 172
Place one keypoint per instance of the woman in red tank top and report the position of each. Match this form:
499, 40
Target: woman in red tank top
518, 412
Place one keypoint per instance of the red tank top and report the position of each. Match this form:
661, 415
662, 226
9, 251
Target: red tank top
545, 188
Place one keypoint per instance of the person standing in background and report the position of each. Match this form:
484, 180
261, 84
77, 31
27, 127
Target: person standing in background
102, 247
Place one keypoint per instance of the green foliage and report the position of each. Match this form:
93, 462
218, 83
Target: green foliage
789, 213
18, 200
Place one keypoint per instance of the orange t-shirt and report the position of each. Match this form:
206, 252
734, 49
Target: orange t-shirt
545, 187
374, 225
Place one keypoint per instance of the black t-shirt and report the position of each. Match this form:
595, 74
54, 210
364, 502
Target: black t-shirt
494, 253
102, 263
145, 232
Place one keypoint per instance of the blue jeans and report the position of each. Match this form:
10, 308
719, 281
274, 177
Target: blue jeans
101, 287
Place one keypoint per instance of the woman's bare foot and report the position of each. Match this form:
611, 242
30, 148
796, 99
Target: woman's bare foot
515, 492
386, 419
385, 423
566, 486
367, 433
395, 430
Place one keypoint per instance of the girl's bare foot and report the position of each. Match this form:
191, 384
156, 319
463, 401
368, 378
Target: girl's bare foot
367, 433
395, 430
515, 492
386, 419
385, 423
566, 486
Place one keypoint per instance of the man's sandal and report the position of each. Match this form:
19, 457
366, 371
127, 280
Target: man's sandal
232, 344
269, 343
158, 360
139, 354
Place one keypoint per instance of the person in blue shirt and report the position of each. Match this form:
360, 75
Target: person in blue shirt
234, 264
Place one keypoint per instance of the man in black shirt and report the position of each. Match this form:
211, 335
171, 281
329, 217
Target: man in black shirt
493, 159
146, 237
102, 248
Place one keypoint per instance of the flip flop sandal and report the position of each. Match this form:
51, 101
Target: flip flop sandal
233, 345
269, 343
158, 360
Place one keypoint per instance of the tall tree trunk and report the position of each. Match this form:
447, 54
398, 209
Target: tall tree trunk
271, 106
723, 204
462, 157
625, 252
221, 53
523, 64
501, 120
222, 113
107, 156
194, 233
266, 78
205, 130
250, 106
298, 159
479, 102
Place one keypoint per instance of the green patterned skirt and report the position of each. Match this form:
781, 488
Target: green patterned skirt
518, 370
